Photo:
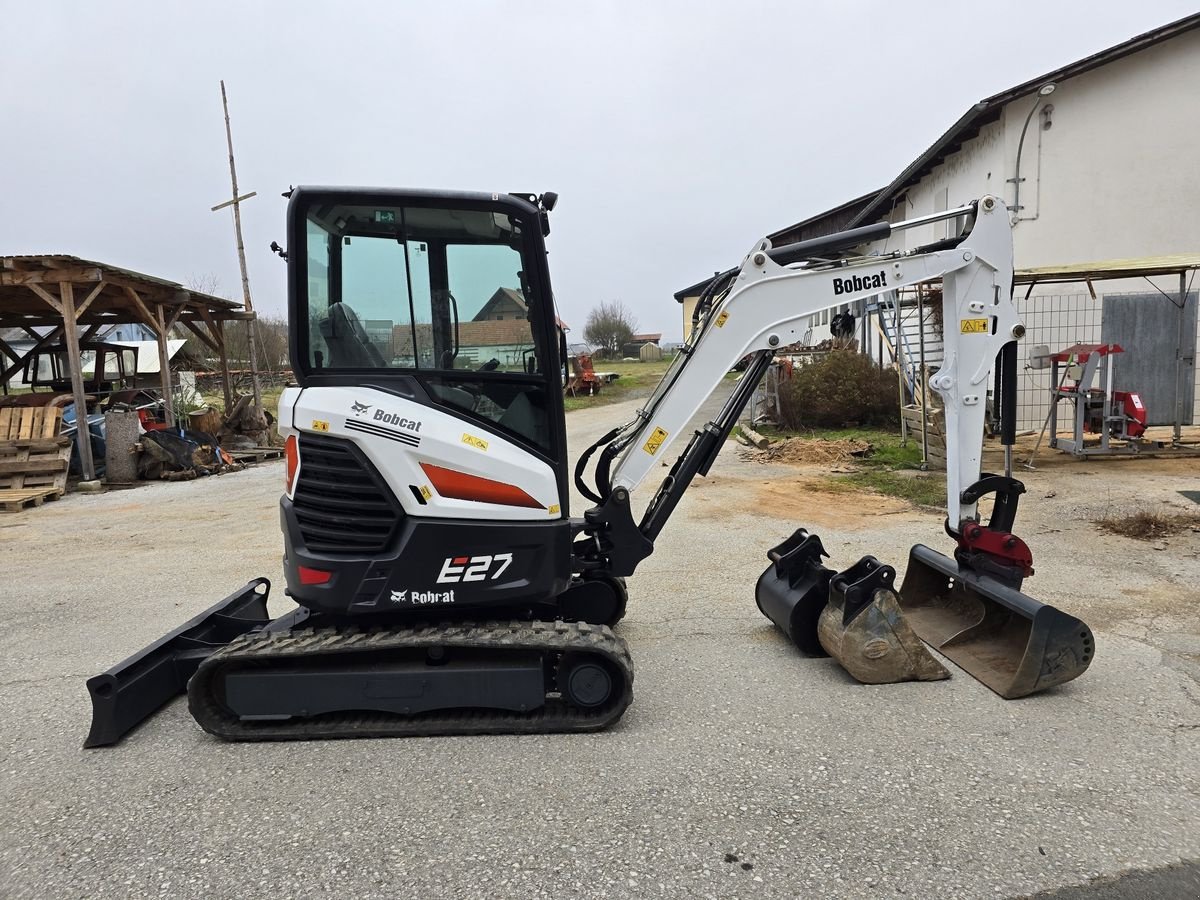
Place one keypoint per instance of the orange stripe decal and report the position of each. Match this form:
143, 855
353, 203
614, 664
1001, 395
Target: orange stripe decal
461, 486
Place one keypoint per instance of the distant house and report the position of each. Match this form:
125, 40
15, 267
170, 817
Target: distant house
633, 347
505, 304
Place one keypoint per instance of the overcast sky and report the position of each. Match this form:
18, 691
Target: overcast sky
676, 134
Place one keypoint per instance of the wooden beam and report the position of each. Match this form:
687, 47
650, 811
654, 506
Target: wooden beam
49, 298
209, 342
175, 317
218, 330
42, 341
88, 300
164, 365
9, 322
147, 316
49, 276
83, 435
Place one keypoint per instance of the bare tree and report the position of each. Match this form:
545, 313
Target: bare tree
205, 283
610, 325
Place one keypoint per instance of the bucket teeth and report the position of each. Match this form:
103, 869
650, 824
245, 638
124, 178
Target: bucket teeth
863, 628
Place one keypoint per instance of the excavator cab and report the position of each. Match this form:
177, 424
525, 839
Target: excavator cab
438, 295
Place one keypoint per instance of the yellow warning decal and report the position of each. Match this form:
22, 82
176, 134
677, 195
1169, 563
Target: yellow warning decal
657, 436
318, 425
474, 441
426, 492
553, 510
722, 318
974, 326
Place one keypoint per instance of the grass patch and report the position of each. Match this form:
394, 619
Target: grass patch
915, 487
636, 379
1148, 526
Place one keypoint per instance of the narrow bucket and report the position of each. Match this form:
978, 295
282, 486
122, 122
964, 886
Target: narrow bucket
133, 690
795, 588
863, 629
1009, 641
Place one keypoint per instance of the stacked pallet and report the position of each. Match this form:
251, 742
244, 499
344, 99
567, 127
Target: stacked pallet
935, 421
34, 457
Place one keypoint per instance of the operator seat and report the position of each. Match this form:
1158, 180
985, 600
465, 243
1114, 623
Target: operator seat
348, 343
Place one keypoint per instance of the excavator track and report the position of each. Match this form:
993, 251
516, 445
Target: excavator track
547, 643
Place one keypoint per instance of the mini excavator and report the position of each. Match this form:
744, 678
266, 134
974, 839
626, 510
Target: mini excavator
442, 586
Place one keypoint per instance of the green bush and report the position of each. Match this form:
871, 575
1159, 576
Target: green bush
842, 389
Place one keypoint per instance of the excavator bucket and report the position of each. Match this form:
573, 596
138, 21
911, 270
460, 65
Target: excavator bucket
795, 588
863, 629
134, 689
1009, 641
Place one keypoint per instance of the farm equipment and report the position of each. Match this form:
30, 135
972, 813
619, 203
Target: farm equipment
1099, 410
583, 380
442, 585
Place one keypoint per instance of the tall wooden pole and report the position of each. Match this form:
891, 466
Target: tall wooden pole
83, 432
252, 322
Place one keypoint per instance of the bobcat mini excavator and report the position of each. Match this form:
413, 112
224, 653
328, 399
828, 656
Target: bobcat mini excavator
442, 585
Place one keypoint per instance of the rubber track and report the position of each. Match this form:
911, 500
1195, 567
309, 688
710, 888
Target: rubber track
288, 646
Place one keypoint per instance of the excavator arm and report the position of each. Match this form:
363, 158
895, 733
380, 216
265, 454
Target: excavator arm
969, 607
766, 305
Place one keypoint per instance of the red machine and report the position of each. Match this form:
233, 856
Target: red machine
1109, 413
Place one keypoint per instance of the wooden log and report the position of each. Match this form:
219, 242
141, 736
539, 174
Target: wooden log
755, 438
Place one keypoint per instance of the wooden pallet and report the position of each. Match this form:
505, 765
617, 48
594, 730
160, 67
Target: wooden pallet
15, 501
33, 455
26, 423
936, 433
257, 454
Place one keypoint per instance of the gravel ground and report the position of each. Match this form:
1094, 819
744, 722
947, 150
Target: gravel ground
742, 769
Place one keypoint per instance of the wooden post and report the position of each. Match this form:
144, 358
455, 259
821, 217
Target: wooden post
164, 362
218, 329
251, 323
83, 434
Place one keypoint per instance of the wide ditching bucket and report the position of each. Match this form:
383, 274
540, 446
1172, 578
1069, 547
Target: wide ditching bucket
863, 629
1009, 641
134, 689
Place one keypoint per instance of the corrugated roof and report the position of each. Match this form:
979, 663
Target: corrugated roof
1142, 267
488, 333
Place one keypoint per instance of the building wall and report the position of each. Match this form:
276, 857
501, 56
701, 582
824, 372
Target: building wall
689, 307
1114, 177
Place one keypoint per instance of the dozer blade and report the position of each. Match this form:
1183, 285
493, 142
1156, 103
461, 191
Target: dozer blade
863, 629
795, 588
1009, 641
134, 689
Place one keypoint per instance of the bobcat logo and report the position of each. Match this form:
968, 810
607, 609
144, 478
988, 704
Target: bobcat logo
399, 596
359, 408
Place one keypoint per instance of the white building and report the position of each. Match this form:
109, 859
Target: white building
1099, 161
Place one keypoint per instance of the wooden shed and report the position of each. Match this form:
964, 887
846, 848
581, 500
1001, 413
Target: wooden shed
74, 298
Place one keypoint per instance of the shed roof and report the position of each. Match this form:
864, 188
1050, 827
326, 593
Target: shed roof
107, 293
1109, 269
